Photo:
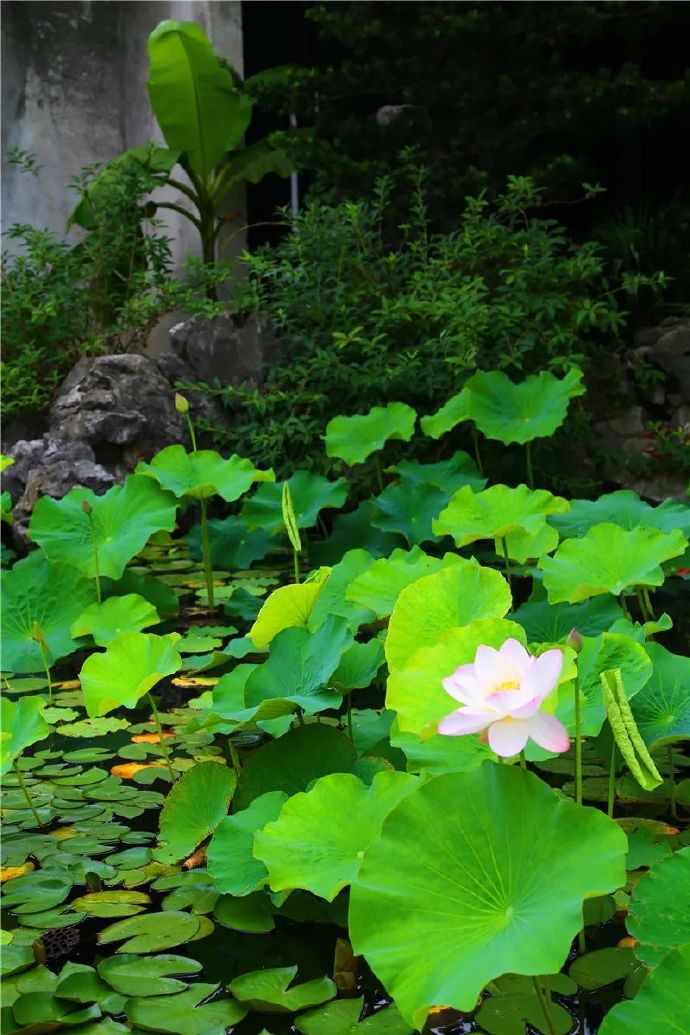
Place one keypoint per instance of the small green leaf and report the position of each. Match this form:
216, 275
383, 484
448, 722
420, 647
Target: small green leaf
250, 913
111, 903
230, 856
353, 439
271, 990
183, 1013
341, 1017
601, 967
150, 932
203, 474
137, 976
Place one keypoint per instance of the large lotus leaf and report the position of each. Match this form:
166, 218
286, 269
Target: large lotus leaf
286, 607
478, 874
52, 596
521, 412
129, 667
184, 1013
341, 1017
609, 559
272, 991
549, 623
334, 601
230, 856
436, 755
624, 508
291, 763
123, 521
354, 531
353, 439
452, 413
22, 725
358, 666
450, 597
251, 913
318, 840
106, 621
195, 805
159, 594
659, 915
233, 545
299, 666
203, 474
151, 932
415, 688
662, 707
661, 1005
410, 510
602, 654
449, 475
310, 494
497, 512
134, 976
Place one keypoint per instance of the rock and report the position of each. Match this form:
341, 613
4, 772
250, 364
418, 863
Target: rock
203, 407
224, 352
667, 347
390, 114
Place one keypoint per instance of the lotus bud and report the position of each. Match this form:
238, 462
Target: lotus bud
86, 507
181, 404
575, 640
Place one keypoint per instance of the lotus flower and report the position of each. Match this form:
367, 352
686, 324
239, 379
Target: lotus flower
502, 692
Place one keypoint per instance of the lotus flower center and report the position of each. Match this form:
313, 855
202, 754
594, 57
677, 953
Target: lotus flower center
510, 685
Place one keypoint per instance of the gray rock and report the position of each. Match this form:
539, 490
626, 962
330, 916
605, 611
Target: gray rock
667, 347
224, 352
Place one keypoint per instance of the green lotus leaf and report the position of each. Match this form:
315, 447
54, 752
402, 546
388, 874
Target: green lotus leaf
454, 596
436, 755
203, 474
272, 991
358, 666
662, 708
22, 725
507, 1012
608, 559
602, 967
311, 493
659, 915
415, 688
354, 531
380, 584
93, 728
111, 903
498, 512
353, 439
250, 913
230, 854
128, 668
333, 599
233, 545
624, 508
43, 1008
341, 1017
495, 885
196, 804
603, 654
550, 623
15, 958
52, 596
520, 412
309, 845
449, 475
81, 984
661, 1005
137, 976
291, 763
106, 621
150, 932
38, 891
185, 1013
410, 510
452, 413
123, 521
160, 595
286, 607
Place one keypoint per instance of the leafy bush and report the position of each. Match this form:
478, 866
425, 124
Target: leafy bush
374, 313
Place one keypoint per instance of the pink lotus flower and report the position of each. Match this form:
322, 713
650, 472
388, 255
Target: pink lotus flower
501, 692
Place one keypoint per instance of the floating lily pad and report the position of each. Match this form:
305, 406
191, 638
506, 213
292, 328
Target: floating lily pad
513, 1003
137, 976
498, 885
609, 559
131, 665
341, 1017
151, 932
661, 1005
106, 621
660, 908
353, 439
111, 903
196, 804
183, 1013
272, 991
123, 520
230, 857
203, 474
602, 967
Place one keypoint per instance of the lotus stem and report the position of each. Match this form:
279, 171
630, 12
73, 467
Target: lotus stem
192, 436
506, 559
164, 746
648, 601
38, 637
644, 609
300, 716
612, 783
528, 458
295, 561
578, 744
523, 760
477, 454
672, 780
86, 507
349, 719
379, 475
544, 998
624, 606
25, 791
206, 555
234, 757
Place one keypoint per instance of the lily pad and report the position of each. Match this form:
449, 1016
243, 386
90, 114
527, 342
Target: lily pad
22, 724
123, 520
494, 887
312, 846
203, 474
131, 665
662, 707
137, 976
151, 932
183, 1013
500, 512
510, 412
230, 856
111, 903
106, 621
661, 1005
310, 493
602, 967
659, 914
272, 991
353, 439
341, 1017
609, 559
37, 593
196, 804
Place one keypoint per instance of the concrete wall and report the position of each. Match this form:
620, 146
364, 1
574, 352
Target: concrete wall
74, 92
